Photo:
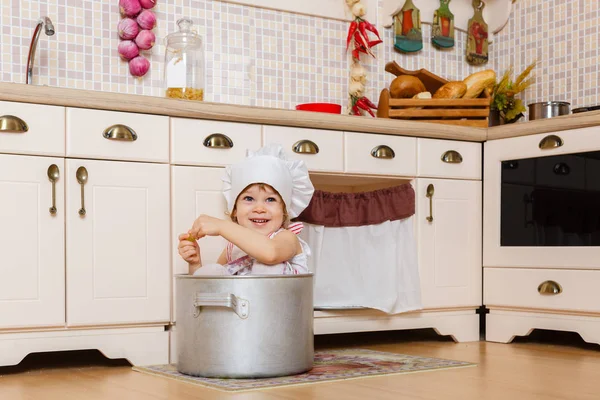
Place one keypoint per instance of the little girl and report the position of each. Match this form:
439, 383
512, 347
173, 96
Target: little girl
263, 192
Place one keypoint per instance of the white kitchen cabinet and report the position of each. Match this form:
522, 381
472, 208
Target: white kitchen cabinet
322, 150
449, 245
32, 129
32, 255
196, 190
212, 143
380, 154
118, 250
541, 237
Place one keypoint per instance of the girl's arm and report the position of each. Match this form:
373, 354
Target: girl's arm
267, 251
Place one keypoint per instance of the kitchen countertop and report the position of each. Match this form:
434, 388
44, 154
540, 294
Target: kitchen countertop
273, 116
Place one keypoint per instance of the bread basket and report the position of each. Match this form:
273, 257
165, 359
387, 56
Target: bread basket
464, 112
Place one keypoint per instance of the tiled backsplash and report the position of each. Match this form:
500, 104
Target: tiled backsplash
277, 59
563, 36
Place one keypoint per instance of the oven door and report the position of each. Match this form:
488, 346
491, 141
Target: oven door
541, 200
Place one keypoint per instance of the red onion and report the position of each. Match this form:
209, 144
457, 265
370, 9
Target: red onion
139, 66
145, 39
148, 3
128, 28
128, 49
130, 8
146, 19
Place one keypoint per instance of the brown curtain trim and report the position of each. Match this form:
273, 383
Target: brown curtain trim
358, 209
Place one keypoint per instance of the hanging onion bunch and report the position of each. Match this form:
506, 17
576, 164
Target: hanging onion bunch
135, 30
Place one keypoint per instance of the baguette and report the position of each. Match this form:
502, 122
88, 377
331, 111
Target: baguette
451, 90
479, 81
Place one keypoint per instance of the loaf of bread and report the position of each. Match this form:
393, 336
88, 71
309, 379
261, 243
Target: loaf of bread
405, 87
451, 90
478, 81
422, 95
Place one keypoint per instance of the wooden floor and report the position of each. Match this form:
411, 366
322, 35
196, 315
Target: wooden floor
544, 366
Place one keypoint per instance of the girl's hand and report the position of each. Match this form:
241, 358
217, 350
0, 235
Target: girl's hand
206, 225
189, 249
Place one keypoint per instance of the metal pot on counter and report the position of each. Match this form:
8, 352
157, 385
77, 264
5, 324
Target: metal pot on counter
548, 109
249, 326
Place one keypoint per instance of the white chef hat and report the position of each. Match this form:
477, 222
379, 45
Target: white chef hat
270, 165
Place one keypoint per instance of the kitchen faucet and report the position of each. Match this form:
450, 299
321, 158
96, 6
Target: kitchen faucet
49, 29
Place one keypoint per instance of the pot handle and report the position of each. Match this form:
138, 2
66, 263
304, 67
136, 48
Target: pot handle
238, 305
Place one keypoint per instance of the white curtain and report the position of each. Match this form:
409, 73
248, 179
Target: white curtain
371, 266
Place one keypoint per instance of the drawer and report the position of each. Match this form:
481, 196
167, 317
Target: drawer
132, 137
44, 133
299, 144
213, 143
513, 287
368, 154
432, 152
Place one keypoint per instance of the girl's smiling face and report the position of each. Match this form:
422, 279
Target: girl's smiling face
259, 207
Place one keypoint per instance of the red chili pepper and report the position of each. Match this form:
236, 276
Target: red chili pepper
355, 54
369, 103
371, 27
360, 39
374, 43
359, 46
355, 110
363, 32
361, 104
351, 31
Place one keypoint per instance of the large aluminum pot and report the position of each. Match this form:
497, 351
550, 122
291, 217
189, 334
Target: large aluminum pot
244, 326
548, 109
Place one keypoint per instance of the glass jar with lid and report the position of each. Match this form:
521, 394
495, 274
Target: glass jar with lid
184, 63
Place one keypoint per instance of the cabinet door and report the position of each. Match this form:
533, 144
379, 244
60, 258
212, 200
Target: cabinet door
118, 250
32, 243
449, 245
196, 190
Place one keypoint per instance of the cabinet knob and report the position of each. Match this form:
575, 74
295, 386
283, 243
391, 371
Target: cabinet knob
218, 141
549, 288
120, 132
305, 147
12, 124
550, 142
383, 151
452, 157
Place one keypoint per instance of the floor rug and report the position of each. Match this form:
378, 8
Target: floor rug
330, 365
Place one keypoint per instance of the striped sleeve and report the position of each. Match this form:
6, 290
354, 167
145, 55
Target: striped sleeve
296, 227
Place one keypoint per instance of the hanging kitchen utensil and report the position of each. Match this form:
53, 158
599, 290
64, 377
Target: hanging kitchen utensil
442, 28
477, 36
407, 28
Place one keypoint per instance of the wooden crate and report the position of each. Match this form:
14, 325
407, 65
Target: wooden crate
465, 112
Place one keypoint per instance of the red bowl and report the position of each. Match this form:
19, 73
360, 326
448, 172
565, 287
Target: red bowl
320, 107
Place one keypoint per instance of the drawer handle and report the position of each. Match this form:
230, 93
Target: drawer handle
82, 176
305, 147
120, 132
218, 141
53, 175
12, 124
550, 142
549, 288
452, 157
383, 151
430, 191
